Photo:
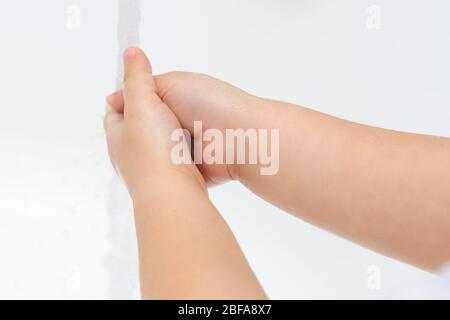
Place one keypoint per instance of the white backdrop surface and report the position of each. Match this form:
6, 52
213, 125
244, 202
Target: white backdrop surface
55, 72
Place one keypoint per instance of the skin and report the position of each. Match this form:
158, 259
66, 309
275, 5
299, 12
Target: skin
186, 250
383, 189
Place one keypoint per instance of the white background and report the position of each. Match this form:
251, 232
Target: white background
54, 169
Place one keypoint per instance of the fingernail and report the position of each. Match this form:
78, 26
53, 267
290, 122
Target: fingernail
111, 97
130, 53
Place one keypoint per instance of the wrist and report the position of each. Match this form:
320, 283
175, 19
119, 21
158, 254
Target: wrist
167, 181
260, 122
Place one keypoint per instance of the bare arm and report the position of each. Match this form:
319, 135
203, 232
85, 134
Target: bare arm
186, 250
386, 190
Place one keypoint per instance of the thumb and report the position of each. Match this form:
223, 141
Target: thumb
139, 91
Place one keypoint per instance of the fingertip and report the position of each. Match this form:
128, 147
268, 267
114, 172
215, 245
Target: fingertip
130, 53
135, 55
111, 99
115, 101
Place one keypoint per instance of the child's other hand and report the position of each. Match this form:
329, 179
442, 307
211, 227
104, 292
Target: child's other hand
139, 126
219, 105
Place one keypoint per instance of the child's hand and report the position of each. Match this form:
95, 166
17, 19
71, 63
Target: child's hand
219, 105
139, 127
349, 178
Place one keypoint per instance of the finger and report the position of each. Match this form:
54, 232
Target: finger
113, 122
167, 81
116, 101
139, 86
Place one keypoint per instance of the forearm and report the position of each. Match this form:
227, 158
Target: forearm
186, 249
383, 189
386, 190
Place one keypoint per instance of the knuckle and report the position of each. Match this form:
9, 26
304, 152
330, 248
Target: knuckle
138, 79
138, 82
167, 82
